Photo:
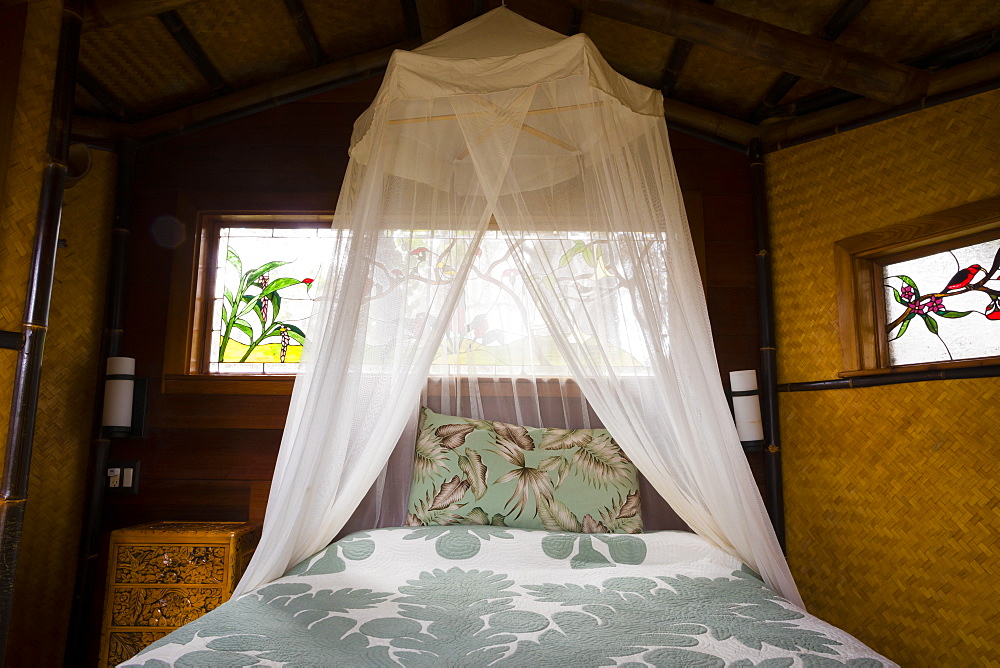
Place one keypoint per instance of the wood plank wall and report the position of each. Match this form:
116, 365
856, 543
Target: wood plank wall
194, 465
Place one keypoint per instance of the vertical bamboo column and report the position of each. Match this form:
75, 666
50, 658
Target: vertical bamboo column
24, 400
88, 570
774, 497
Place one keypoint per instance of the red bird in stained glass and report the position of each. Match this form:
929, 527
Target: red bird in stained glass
963, 277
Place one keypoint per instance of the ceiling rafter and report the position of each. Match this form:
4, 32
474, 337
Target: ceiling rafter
241, 103
436, 18
107, 12
173, 22
962, 51
118, 109
831, 30
410, 18
769, 45
306, 32
970, 78
675, 64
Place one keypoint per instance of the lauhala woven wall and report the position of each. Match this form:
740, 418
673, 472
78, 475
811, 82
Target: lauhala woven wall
44, 580
893, 504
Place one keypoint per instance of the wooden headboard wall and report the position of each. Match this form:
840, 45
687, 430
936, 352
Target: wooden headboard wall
209, 454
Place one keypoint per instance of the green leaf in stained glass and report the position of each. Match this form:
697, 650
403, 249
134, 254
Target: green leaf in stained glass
252, 276
902, 327
931, 323
954, 314
278, 284
234, 260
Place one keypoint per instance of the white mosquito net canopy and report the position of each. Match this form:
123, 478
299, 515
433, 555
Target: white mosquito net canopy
503, 124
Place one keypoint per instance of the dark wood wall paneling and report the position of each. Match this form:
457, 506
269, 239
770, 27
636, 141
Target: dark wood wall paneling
194, 464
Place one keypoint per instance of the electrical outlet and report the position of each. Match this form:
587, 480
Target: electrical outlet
123, 477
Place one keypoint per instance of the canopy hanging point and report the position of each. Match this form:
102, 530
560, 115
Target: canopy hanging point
482, 60
504, 120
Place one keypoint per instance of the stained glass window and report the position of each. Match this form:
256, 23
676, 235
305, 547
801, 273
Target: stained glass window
263, 295
944, 306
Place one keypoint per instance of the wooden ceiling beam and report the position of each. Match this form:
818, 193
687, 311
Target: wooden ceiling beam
104, 97
711, 123
770, 45
575, 20
831, 30
244, 102
106, 12
954, 83
410, 18
675, 64
306, 32
173, 22
436, 18
965, 50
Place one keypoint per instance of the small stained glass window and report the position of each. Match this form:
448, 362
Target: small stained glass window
944, 306
262, 297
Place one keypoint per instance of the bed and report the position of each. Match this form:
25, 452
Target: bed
499, 596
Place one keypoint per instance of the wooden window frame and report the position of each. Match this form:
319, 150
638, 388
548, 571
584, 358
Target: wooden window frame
193, 270
859, 261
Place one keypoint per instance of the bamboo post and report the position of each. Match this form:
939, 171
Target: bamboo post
774, 496
89, 569
24, 398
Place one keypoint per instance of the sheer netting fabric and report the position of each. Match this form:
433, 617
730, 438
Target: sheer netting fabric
504, 150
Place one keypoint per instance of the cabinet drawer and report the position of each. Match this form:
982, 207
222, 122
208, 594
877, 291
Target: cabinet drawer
170, 564
123, 645
162, 606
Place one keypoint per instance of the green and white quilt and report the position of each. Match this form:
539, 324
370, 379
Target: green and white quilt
496, 596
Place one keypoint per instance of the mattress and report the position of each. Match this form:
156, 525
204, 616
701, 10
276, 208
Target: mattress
496, 596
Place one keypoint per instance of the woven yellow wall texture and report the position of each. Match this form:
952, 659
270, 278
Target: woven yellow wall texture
24, 175
46, 566
893, 504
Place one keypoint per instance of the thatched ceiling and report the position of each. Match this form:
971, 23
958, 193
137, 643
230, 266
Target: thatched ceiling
781, 70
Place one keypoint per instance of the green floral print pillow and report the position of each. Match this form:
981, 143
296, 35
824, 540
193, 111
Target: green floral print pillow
479, 472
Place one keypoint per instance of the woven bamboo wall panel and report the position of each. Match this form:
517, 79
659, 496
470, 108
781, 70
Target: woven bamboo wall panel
638, 53
858, 181
891, 492
46, 566
723, 82
19, 208
142, 65
247, 47
894, 524
900, 29
348, 28
804, 17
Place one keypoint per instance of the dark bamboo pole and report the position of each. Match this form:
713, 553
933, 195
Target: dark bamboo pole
774, 495
24, 399
987, 371
88, 570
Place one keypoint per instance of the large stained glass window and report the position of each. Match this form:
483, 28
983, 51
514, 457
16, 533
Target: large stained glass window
264, 286
944, 306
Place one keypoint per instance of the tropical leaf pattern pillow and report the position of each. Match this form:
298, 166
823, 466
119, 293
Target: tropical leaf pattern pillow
491, 473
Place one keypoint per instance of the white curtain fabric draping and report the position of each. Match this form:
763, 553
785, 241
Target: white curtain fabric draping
571, 161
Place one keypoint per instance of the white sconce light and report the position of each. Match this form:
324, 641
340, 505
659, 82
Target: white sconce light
124, 400
746, 409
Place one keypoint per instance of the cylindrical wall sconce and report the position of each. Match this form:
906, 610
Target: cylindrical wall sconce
746, 408
124, 399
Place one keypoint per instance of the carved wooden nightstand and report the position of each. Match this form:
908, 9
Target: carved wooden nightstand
165, 574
